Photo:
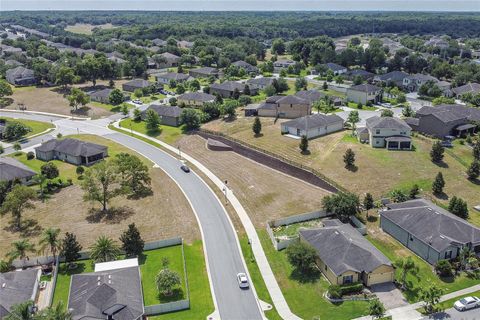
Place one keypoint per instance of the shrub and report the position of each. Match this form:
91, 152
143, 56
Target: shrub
351, 288
80, 170
334, 291
49, 170
443, 268
30, 155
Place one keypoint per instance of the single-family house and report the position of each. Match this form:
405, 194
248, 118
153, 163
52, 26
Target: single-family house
246, 66
112, 292
394, 77
103, 95
282, 64
204, 72
195, 99
165, 78
388, 132
345, 256
430, 231
315, 95
445, 120
9, 49
159, 42
413, 82
227, 89
13, 170
20, 76
436, 42
171, 60
312, 126
135, 84
471, 87
364, 74
73, 151
185, 44
335, 68
364, 93
259, 83
169, 115
13, 63
17, 287
289, 107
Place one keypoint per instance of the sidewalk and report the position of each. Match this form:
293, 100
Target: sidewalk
409, 312
262, 262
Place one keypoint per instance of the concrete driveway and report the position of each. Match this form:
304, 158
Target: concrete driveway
389, 295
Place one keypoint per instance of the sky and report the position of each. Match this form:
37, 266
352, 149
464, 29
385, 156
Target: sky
244, 5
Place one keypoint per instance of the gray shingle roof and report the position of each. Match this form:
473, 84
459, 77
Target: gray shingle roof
72, 147
310, 95
342, 248
138, 83
314, 121
365, 88
289, 100
166, 111
228, 86
197, 96
17, 287
205, 70
261, 81
19, 72
11, 169
101, 93
455, 110
97, 294
393, 76
334, 67
386, 123
469, 87
431, 224
173, 76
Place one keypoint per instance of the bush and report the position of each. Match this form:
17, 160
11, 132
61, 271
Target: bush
443, 268
49, 170
334, 291
80, 170
351, 288
30, 155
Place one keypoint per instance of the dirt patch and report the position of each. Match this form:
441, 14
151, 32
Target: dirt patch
164, 214
266, 194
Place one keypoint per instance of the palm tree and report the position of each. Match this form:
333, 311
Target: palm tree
104, 249
50, 239
57, 312
464, 254
406, 266
21, 311
21, 249
40, 180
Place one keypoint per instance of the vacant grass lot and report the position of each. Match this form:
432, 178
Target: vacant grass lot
86, 28
53, 100
383, 169
201, 303
266, 194
164, 214
36, 126
306, 299
167, 134
150, 266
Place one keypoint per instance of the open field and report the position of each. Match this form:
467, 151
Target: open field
167, 134
305, 299
164, 214
86, 28
383, 169
266, 194
36, 126
52, 99
201, 303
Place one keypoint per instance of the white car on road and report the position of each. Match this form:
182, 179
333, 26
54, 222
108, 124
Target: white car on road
242, 280
467, 303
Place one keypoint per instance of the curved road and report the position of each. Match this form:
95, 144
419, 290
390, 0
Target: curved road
223, 255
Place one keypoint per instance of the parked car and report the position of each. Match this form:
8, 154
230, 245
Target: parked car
185, 168
242, 280
137, 101
446, 144
467, 303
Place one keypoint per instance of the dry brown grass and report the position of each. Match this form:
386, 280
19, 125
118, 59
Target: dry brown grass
164, 214
379, 170
266, 194
86, 28
53, 100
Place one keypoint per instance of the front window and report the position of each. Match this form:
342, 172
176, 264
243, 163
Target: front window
348, 279
377, 131
448, 254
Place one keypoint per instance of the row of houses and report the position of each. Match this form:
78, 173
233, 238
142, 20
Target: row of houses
112, 292
344, 256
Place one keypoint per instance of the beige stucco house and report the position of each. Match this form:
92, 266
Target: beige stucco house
364, 93
387, 132
289, 107
345, 256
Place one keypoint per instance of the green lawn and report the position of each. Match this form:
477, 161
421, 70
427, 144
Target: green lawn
306, 298
426, 276
334, 93
201, 303
62, 286
110, 107
167, 134
354, 105
151, 264
150, 98
257, 279
36, 126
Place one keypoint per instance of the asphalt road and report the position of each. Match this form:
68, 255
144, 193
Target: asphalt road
453, 314
223, 255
